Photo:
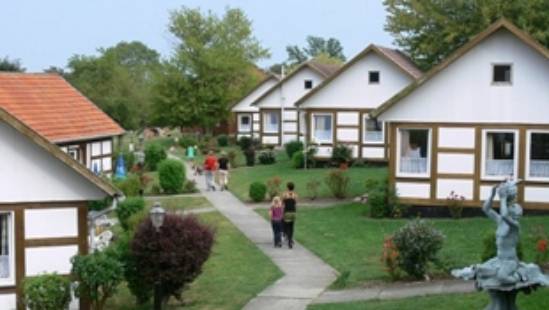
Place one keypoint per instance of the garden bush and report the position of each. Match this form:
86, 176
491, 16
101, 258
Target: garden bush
175, 254
389, 258
273, 187
490, 250
98, 205
245, 143
129, 159
232, 155
171, 176
298, 159
222, 141
292, 147
418, 244
455, 204
338, 183
186, 141
47, 292
190, 187
312, 189
342, 154
131, 186
127, 208
97, 276
383, 200
257, 191
154, 154
266, 157
250, 157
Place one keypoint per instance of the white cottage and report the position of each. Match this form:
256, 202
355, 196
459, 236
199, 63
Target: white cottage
480, 116
279, 121
43, 208
337, 110
246, 115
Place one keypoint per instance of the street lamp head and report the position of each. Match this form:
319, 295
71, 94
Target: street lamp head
157, 215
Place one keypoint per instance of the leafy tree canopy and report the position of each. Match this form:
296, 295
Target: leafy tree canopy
316, 46
119, 80
11, 65
430, 30
212, 66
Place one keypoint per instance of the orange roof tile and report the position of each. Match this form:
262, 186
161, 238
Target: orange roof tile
53, 108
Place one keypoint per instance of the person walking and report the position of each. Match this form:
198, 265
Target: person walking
223, 171
210, 166
276, 213
289, 200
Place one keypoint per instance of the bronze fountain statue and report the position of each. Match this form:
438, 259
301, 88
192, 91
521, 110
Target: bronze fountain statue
504, 276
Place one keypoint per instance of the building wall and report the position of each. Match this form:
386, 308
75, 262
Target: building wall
245, 104
351, 90
290, 90
254, 130
463, 92
30, 174
456, 164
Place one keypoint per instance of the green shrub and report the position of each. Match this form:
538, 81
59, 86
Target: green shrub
164, 142
47, 292
383, 200
129, 159
418, 244
341, 154
187, 141
231, 155
273, 187
99, 205
338, 183
266, 157
131, 186
257, 191
171, 176
312, 189
154, 154
97, 276
292, 147
127, 208
490, 250
245, 143
250, 157
190, 186
298, 159
222, 140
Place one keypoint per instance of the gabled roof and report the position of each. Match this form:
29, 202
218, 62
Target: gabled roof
394, 56
325, 70
500, 24
270, 76
56, 152
53, 108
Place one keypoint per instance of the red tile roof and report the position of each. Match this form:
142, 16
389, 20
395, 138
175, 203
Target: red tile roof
53, 108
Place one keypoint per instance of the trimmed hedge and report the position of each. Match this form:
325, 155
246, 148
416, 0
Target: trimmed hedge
171, 176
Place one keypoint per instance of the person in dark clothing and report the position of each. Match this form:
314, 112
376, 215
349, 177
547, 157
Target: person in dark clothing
289, 199
223, 171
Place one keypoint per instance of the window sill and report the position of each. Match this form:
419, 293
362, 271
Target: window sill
537, 179
413, 175
373, 142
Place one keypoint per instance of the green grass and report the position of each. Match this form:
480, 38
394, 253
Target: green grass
235, 272
179, 202
242, 177
350, 241
535, 301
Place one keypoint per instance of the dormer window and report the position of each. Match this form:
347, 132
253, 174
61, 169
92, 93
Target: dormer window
373, 77
501, 74
308, 84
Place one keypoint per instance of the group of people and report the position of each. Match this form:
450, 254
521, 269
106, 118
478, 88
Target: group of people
283, 214
213, 168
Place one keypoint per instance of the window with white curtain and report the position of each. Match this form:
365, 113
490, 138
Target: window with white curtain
373, 130
538, 159
499, 153
271, 122
414, 151
245, 123
323, 128
7, 256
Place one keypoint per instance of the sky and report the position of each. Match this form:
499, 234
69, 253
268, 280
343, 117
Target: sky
47, 33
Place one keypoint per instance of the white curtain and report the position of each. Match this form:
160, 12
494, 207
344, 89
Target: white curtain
323, 127
539, 168
4, 246
410, 159
245, 123
271, 122
373, 130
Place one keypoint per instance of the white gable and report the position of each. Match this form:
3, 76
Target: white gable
463, 92
28, 173
245, 104
351, 89
292, 89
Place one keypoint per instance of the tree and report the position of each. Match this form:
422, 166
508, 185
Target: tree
11, 65
212, 66
119, 81
316, 46
431, 30
55, 70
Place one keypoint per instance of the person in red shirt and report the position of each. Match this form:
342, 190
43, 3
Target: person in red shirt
210, 166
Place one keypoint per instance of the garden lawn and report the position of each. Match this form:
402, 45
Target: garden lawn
235, 272
178, 202
352, 242
535, 301
241, 178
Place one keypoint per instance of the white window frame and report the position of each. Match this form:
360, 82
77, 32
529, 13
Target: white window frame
251, 125
364, 129
265, 114
516, 158
313, 138
528, 150
427, 174
11, 280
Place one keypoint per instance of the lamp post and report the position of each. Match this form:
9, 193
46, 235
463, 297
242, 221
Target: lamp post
157, 215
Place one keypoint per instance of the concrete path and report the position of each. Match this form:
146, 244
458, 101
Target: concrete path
305, 275
396, 291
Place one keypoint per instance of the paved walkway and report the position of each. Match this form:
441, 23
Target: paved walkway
305, 275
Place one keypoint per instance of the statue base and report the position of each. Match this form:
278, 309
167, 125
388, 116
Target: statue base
502, 300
